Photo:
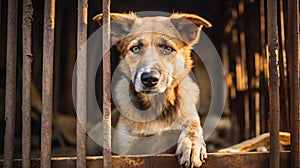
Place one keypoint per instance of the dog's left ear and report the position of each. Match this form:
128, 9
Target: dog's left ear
189, 26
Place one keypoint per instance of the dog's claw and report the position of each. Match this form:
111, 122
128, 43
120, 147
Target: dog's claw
192, 164
179, 155
186, 164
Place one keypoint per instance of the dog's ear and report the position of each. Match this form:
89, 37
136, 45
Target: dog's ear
189, 26
120, 24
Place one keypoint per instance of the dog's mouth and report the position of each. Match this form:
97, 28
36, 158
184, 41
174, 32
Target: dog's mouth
150, 92
149, 81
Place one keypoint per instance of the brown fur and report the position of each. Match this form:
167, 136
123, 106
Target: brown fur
162, 45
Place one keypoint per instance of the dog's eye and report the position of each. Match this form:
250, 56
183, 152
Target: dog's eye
168, 50
135, 49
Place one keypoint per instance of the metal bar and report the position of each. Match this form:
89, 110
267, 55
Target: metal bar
293, 68
107, 161
10, 90
273, 83
26, 96
81, 83
47, 83
257, 160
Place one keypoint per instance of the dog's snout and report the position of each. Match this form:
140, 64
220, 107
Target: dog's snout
150, 79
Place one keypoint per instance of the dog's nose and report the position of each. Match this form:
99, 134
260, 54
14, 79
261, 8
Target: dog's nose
150, 79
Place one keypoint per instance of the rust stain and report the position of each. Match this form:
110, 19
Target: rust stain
134, 162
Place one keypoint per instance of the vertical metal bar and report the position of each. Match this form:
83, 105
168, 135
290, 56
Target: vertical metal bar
10, 90
26, 96
47, 83
81, 83
273, 83
106, 86
293, 68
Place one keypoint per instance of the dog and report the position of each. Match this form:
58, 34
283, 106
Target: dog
155, 93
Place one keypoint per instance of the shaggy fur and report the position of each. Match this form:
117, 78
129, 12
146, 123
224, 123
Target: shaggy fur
160, 46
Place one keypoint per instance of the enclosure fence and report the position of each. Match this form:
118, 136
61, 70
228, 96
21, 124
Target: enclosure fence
260, 160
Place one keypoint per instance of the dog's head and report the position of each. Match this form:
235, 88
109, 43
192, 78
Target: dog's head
155, 51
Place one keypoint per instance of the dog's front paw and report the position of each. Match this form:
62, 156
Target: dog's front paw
189, 154
191, 149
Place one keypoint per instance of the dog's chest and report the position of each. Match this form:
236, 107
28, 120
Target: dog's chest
144, 129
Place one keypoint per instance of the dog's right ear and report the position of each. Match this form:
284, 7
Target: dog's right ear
120, 24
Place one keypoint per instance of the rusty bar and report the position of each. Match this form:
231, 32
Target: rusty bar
293, 68
10, 90
107, 161
273, 83
47, 83
244, 160
26, 96
81, 83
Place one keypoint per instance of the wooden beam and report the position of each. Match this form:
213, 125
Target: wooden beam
256, 142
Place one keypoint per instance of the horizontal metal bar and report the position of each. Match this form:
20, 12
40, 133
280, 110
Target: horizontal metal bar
215, 160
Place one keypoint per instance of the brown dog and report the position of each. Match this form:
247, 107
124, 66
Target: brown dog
156, 93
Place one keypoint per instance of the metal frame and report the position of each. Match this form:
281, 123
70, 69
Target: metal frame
275, 159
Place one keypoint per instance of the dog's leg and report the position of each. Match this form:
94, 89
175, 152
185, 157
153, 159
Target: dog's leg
191, 149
